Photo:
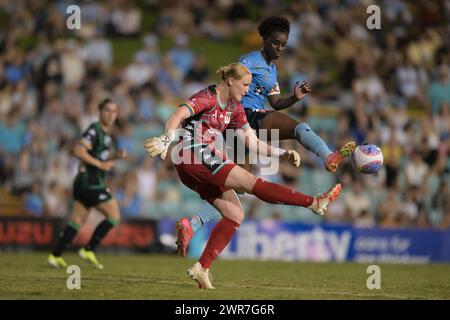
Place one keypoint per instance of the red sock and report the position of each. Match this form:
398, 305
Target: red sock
218, 240
277, 193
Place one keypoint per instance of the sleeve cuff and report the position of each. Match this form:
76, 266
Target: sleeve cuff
189, 107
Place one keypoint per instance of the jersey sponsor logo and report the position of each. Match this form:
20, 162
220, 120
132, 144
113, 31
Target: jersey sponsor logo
227, 117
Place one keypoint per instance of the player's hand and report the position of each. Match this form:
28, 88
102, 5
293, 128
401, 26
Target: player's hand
158, 145
121, 154
301, 89
107, 165
293, 157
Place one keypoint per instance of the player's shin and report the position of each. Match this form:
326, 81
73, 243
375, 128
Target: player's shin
311, 141
207, 212
220, 237
100, 232
65, 238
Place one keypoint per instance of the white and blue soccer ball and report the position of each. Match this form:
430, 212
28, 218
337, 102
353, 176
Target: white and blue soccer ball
367, 158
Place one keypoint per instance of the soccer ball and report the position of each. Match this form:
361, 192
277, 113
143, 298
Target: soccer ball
367, 158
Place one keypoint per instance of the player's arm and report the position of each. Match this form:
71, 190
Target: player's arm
118, 154
121, 154
176, 118
251, 141
159, 145
301, 89
81, 151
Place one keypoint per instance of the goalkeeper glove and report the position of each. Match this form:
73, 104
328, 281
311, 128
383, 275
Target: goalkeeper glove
292, 156
159, 145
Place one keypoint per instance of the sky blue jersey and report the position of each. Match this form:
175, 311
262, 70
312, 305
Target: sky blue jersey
264, 80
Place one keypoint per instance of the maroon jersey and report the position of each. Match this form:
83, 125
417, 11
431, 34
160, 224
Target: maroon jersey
204, 168
208, 114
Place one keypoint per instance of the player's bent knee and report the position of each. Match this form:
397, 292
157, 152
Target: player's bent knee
232, 212
236, 216
114, 216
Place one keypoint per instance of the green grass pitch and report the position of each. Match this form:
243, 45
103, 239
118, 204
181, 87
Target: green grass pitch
27, 276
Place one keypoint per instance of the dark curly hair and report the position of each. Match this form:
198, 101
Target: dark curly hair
272, 24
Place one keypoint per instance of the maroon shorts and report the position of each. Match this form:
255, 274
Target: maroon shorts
206, 178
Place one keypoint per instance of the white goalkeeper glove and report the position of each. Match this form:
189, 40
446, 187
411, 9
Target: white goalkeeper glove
159, 145
292, 156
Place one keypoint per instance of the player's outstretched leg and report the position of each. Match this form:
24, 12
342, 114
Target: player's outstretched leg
270, 192
274, 193
307, 138
333, 160
311, 141
321, 202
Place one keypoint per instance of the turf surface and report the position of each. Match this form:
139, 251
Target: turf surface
27, 276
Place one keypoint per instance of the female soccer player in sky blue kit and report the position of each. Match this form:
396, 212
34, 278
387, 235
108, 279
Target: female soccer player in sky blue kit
274, 32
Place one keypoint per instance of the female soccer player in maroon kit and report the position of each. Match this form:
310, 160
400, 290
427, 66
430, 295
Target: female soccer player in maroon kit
208, 172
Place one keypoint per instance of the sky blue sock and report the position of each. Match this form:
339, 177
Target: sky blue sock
311, 141
206, 213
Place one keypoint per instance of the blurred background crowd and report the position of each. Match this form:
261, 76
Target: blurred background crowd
390, 87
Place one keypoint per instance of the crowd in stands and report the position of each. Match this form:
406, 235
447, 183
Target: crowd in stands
389, 87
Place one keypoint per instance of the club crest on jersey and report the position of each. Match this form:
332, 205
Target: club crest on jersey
258, 89
228, 117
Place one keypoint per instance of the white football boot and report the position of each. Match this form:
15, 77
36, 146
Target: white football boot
201, 276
